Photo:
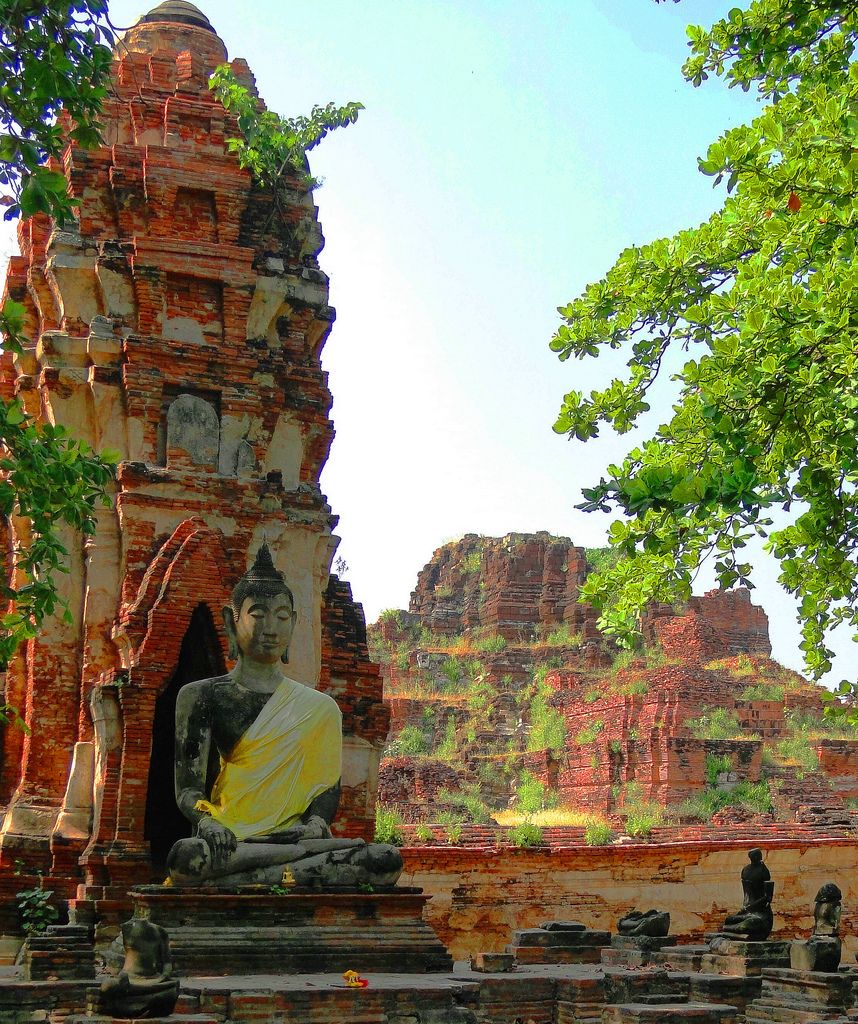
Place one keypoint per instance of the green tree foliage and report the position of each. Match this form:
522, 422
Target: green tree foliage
760, 302
47, 480
53, 60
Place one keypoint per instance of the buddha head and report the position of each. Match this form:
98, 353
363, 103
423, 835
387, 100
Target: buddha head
260, 617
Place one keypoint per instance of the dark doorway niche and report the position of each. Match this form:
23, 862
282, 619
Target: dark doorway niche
200, 657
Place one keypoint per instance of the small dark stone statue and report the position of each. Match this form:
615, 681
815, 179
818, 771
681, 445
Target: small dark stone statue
653, 923
822, 951
754, 922
145, 987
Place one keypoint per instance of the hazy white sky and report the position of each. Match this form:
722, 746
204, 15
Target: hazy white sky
508, 151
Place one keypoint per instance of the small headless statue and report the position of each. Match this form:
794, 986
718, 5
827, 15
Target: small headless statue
652, 923
754, 922
822, 951
267, 818
145, 987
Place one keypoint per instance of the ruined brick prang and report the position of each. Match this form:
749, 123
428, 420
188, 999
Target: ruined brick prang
510, 585
179, 320
489, 613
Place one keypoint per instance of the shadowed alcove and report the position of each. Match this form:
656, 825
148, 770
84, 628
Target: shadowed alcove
200, 657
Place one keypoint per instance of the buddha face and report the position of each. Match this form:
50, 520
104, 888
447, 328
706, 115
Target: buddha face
264, 626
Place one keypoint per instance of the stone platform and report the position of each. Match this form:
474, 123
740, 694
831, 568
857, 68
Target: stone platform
742, 958
636, 950
251, 931
544, 994
795, 997
558, 942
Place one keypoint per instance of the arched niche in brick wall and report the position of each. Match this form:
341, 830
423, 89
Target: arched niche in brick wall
200, 657
169, 635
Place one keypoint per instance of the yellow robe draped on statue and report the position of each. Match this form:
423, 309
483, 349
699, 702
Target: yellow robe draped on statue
288, 756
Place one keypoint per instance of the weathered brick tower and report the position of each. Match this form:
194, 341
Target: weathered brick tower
180, 321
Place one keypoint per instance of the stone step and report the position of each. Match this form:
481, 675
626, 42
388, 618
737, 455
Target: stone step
174, 1018
670, 1013
719, 988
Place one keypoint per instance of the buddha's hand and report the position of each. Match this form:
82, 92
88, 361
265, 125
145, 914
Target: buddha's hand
314, 828
220, 840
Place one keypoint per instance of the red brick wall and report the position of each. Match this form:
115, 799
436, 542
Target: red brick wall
481, 895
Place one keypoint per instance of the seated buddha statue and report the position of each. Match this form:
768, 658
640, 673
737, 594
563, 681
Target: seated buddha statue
280, 748
754, 921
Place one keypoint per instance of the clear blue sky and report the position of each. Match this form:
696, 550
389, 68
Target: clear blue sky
507, 153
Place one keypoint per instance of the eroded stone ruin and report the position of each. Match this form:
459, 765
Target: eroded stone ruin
496, 670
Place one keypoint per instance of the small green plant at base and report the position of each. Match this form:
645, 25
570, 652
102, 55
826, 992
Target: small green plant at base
409, 743
472, 562
755, 796
797, 750
447, 747
547, 728
635, 688
36, 910
744, 665
468, 804
473, 667
642, 819
623, 659
424, 833
763, 691
451, 669
563, 636
590, 732
593, 694
715, 724
526, 834
454, 833
540, 672
654, 657
490, 644
278, 890
531, 794
479, 697
716, 765
387, 826
615, 747
598, 833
